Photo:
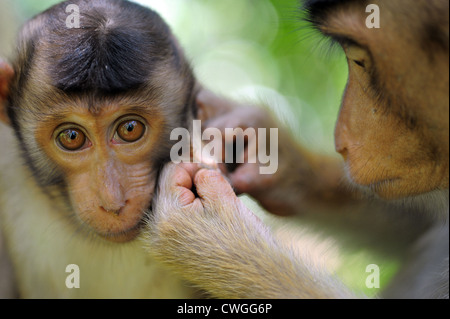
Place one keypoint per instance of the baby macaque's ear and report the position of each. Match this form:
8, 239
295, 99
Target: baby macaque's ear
6, 74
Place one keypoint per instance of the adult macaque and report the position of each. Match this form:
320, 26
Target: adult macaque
393, 133
90, 111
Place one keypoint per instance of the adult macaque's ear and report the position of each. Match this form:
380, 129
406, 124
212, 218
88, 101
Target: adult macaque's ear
6, 74
211, 105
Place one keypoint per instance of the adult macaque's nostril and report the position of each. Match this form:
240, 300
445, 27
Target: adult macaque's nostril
341, 144
343, 151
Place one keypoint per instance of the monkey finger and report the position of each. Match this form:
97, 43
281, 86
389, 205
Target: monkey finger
223, 168
184, 183
173, 179
185, 197
249, 154
180, 178
229, 120
246, 178
212, 186
211, 105
175, 176
190, 168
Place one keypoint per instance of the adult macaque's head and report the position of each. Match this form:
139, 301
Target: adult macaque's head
393, 125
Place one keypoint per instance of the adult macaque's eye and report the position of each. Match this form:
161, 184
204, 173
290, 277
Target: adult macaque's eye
130, 131
71, 139
358, 55
360, 63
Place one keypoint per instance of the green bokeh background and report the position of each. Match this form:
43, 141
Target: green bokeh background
253, 49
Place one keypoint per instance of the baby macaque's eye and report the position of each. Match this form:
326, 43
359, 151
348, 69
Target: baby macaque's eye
71, 139
130, 131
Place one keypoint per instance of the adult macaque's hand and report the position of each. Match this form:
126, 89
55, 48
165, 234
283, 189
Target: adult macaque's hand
300, 178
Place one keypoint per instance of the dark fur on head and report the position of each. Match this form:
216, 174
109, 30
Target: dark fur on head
115, 50
122, 51
317, 10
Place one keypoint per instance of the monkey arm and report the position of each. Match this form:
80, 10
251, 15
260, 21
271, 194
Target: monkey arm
215, 242
303, 182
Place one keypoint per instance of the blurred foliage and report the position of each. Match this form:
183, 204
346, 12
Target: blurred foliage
257, 49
